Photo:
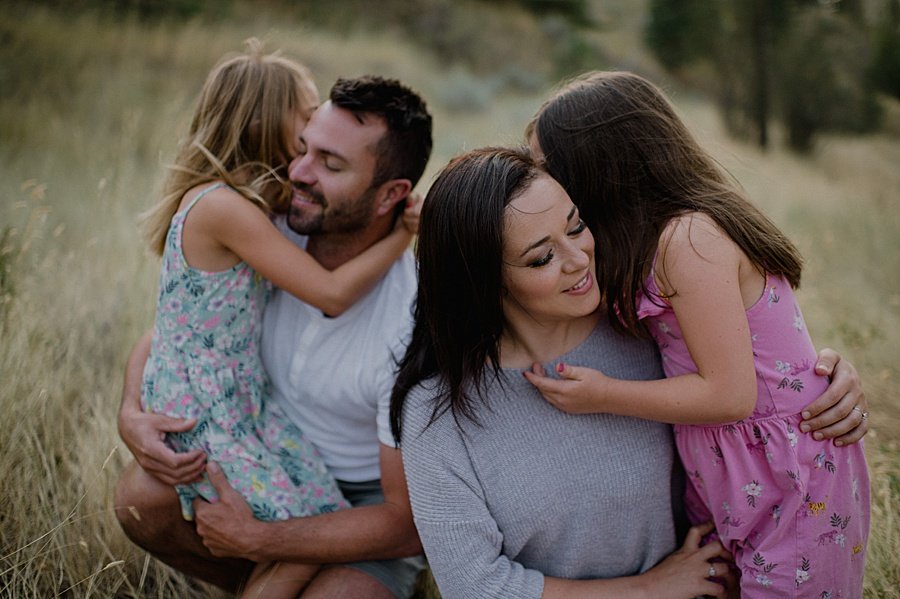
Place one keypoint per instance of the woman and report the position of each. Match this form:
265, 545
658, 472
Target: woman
513, 498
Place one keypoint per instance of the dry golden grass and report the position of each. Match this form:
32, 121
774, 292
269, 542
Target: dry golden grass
90, 111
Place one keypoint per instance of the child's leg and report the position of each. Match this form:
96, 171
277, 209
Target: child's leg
278, 579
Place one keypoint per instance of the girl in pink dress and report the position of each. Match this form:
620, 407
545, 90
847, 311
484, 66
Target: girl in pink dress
684, 257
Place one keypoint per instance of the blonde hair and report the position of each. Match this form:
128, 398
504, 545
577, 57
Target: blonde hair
239, 134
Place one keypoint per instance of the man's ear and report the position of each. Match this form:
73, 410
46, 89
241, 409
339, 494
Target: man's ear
390, 193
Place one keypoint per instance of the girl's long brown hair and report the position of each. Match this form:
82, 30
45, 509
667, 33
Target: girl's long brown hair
614, 142
239, 134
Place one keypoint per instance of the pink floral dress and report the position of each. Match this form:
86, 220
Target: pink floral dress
205, 364
794, 511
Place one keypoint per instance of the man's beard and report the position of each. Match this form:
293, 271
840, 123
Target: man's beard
351, 217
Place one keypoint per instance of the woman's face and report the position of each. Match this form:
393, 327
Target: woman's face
548, 256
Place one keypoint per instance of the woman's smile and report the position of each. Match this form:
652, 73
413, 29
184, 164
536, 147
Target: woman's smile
583, 286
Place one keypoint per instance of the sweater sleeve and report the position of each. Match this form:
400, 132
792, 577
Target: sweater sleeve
462, 541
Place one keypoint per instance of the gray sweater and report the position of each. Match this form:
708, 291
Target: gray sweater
532, 491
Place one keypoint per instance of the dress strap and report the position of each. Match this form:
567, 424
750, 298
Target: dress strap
203, 193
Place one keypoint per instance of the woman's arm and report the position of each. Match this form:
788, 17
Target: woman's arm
684, 573
461, 539
241, 227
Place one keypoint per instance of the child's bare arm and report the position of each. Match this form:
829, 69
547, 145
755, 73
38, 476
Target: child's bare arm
245, 230
702, 264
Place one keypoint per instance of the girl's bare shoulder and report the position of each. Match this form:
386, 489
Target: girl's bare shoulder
692, 236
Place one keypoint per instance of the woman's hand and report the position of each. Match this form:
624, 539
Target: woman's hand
841, 412
688, 572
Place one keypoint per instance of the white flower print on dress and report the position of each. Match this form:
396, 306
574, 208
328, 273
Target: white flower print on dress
753, 490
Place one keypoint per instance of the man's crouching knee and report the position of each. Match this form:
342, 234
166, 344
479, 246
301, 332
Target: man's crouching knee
146, 508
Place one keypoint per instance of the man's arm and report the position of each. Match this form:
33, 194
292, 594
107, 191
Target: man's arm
841, 412
382, 531
145, 433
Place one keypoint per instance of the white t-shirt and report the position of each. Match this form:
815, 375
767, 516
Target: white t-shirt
333, 376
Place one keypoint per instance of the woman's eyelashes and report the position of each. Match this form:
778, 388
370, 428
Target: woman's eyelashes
579, 228
548, 257
542, 261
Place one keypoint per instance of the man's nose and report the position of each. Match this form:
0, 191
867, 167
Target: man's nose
299, 170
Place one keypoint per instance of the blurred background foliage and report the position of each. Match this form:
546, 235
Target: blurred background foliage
815, 65
812, 65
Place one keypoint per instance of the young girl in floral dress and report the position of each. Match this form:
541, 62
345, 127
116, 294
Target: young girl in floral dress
684, 256
219, 248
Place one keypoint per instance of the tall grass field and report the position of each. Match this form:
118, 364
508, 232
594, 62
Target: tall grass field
91, 108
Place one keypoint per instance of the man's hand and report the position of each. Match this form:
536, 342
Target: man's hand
227, 526
842, 411
145, 436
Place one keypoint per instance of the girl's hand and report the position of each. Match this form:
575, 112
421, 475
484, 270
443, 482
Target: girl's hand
411, 213
577, 391
842, 411
688, 572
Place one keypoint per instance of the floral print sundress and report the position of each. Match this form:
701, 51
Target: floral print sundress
793, 511
205, 364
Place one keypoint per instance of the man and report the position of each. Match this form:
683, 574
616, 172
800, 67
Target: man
360, 155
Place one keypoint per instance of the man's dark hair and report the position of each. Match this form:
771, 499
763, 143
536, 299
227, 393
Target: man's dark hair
404, 151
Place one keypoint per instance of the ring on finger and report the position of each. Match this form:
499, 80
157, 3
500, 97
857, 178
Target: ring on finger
711, 572
864, 415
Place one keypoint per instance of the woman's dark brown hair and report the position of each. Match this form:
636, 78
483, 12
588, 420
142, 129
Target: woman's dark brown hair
614, 142
459, 313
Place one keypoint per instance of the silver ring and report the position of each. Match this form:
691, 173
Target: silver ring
711, 572
865, 415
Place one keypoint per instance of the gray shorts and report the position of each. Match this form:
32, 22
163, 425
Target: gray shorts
398, 575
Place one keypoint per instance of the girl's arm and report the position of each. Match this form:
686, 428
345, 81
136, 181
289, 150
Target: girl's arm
704, 266
241, 227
